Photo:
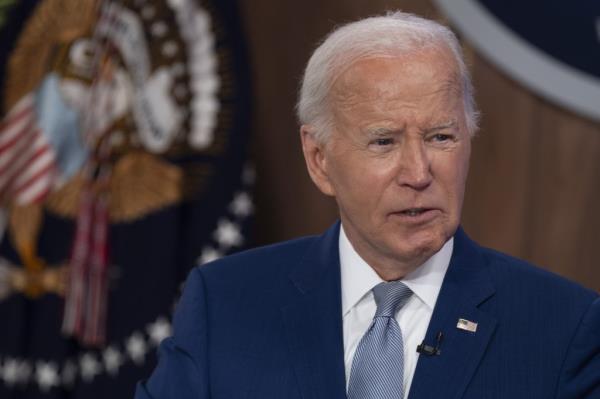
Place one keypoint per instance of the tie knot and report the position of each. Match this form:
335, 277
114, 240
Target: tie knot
389, 297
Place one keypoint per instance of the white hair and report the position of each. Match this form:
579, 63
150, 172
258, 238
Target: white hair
394, 34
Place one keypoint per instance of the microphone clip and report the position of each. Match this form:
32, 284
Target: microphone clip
429, 350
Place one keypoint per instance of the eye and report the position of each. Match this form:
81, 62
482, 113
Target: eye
441, 137
81, 56
383, 142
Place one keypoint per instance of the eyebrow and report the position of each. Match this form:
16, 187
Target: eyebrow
382, 131
385, 131
445, 125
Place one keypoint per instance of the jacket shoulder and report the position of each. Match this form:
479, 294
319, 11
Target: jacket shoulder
258, 264
514, 274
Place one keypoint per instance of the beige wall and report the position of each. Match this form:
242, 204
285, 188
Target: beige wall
534, 186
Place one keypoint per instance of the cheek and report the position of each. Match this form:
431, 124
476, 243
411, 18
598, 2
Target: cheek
359, 174
459, 168
452, 174
359, 188
459, 181
463, 169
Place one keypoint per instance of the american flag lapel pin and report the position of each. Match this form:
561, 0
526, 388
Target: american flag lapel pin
466, 325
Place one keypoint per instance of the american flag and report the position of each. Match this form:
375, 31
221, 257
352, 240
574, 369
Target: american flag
27, 161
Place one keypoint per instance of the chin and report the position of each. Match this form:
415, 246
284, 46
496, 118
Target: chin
422, 245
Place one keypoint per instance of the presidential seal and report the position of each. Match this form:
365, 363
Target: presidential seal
122, 151
545, 46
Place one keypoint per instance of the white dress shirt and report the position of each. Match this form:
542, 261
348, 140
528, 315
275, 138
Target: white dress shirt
358, 304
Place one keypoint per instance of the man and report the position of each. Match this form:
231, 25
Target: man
395, 301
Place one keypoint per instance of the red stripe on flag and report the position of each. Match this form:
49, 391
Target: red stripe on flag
28, 128
41, 196
38, 191
10, 158
23, 160
15, 115
19, 167
41, 159
44, 171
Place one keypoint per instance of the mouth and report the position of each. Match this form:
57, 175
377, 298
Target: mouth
418, 214
415, 211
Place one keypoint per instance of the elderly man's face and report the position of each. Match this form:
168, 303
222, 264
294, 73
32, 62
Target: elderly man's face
397, 159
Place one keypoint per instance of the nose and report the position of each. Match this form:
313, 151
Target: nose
414, 166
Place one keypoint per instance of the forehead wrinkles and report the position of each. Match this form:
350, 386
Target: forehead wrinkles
422, 76
349, 98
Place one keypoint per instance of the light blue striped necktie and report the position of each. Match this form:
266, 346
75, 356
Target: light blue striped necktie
378, 365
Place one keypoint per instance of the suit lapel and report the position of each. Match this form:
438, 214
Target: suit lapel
312, 317
466, 285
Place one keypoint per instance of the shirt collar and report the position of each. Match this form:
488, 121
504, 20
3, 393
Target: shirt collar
358, 278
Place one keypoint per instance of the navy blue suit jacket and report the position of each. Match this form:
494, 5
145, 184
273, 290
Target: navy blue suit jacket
267, 323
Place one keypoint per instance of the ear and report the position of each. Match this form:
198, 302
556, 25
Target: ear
316, 161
